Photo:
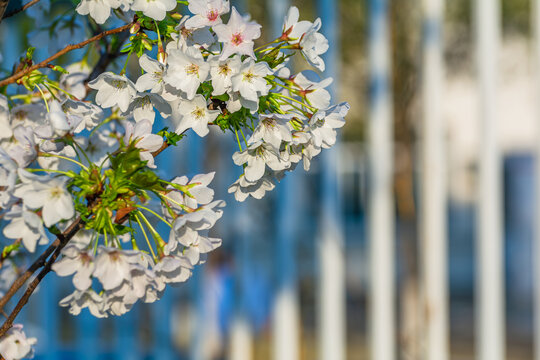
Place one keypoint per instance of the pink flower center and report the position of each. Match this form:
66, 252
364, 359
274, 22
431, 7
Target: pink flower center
237, 39
212, 15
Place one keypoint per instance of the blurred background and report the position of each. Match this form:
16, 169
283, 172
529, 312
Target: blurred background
414, 238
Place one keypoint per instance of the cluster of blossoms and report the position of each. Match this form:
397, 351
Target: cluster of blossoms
64, 158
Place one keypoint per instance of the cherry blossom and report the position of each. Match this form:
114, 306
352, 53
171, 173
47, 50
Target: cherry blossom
196, 116
14, 345
206, 13
48, 193
26, 225
238, 35
113, 90
187, 69
99, 10
156, 9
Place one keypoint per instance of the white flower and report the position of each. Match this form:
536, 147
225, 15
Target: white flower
257, 156
203, 218
8, 178
123, 4
76, 261
207, 12
273, 129
73, 82
113, 90
195, 115
152, 79
300, 140
26, 225
314, 92
155, 9
198, 192
58, 123
142, 107
197, 249
190, 37
99, 10
292, 28
14, 345
187, 70
250, 81
27, 115
323, 123
221, 72
143, 286
314, 44
5, 128
22, 147
91, 115
145, 140
113, 266
48, 193
79, 300
173, 269
243, 188
237, 35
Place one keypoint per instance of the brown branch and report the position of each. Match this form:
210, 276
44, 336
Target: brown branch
57, 247
13, 78
40, 262
158, 151
3, 7
16, 11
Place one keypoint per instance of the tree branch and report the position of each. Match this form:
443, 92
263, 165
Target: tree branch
3, 7
22, 8
57, 247
13, 78
54, 249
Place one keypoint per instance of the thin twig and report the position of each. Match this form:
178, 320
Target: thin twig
24, 7
13, 78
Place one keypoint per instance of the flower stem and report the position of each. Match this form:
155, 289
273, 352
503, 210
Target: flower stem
145, 236
64, 158
52, 170
238, 140
155, 214
43, 96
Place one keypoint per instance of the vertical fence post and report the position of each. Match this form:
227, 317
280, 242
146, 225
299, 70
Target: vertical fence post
381, 210
433, 195
285, 312
490, 270
331, 290
241, 344
535, 21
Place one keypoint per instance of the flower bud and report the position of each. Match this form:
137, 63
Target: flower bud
135, 28
147, 44
162, 55
176, 16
